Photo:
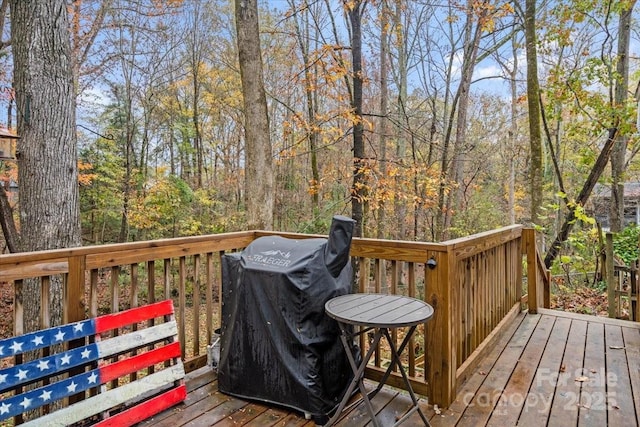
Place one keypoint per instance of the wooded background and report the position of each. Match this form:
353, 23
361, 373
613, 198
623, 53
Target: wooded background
415, 112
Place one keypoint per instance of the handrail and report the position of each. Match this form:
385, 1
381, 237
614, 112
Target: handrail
474, 284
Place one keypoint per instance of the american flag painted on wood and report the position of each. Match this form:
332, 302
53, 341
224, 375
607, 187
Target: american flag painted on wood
92, 366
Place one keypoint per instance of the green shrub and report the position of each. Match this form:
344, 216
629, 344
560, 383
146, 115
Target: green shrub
625, 244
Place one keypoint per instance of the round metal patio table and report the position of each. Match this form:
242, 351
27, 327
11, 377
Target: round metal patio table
380, 313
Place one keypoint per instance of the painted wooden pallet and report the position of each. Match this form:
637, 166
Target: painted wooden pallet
116, 369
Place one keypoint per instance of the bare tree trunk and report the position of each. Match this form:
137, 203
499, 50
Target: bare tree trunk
582, 198
400, 208
471, 45
196, 46
259, 197
310, 75
47, 161
384, 107
535, 133
448, 114
513, 136
358, 191
613, 140
7, 223
127, 187
616, 208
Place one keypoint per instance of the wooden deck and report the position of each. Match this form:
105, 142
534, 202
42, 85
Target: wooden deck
553, 368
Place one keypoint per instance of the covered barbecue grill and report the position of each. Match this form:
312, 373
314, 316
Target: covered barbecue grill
277, 343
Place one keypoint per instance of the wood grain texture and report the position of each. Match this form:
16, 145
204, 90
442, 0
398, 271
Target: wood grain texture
527, 378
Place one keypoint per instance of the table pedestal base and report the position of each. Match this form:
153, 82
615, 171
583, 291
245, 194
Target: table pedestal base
358, 373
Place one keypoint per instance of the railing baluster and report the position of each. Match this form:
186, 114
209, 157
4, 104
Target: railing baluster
394, 291
18, 329
378, 276
45, 322
218, 281
167, 293
45, 301
475, 299
412, 293
362, 286
151, 298
133, 302
94, 276
182, 304
377, 289
196, 304
209, 297
167, 278
114, 290
151, 282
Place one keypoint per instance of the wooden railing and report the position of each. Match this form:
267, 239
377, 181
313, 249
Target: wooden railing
538, 276
474, 284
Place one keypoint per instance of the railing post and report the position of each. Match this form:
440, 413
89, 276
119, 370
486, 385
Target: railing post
73, 310
547, 290
610, 274
441, 361
529, 248
74, 290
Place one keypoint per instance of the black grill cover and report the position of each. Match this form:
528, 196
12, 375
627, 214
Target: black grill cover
277, 344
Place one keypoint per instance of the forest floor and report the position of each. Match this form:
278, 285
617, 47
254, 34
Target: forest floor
583, 298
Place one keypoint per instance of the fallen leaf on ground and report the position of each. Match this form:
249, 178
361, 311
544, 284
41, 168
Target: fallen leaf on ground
616, 347
582, 379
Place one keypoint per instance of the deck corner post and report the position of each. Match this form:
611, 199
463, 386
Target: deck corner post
441, 361
529, 248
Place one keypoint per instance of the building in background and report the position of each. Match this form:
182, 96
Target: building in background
601, 200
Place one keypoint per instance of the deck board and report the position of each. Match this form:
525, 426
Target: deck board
467, 390
243, 416
528, 378
632, 349
564, 398
591, 406
538, 404
514, 396
488, 395
268, 418
359, 416
618, 394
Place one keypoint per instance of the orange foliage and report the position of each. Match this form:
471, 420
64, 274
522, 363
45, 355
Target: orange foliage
85, 178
